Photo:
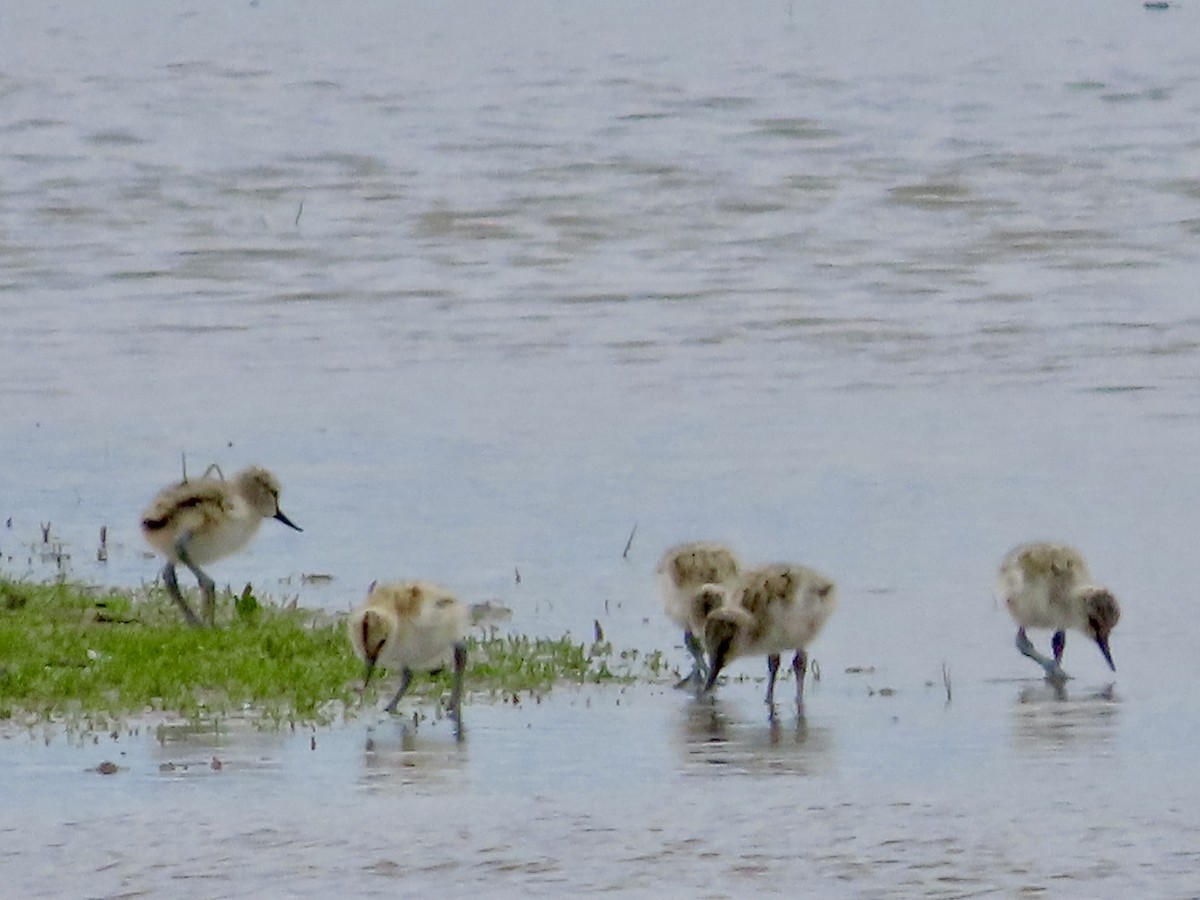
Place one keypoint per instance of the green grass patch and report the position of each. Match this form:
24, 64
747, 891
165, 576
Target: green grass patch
68, 650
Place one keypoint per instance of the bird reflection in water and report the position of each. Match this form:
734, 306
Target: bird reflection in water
712, 736
399, 747
1046, 715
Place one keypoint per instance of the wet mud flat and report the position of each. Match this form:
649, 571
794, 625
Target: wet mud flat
1010, 788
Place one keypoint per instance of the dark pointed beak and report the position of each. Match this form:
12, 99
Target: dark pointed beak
715, 664
286, 521
1102, 643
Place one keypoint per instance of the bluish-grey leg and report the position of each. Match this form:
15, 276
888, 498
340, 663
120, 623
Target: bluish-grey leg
800, 667
772, 671
405, 681
172, 583
699, 673
1050, 666
1058, 643
207, 586
460, 666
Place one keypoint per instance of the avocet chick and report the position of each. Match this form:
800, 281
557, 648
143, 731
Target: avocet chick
204, 520
1048, 585
772, 609
412, 626
693, 579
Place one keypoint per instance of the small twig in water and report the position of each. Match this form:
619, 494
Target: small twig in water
517, 573
102, 553
45, 532
629, 543
946, 681
183, 462
299, 213
599, 631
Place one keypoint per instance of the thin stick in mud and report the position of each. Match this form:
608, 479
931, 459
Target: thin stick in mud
629, 543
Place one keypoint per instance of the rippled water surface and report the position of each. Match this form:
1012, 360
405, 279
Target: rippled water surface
884, 288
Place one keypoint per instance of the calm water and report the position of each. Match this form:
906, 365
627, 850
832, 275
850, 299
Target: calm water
882, 288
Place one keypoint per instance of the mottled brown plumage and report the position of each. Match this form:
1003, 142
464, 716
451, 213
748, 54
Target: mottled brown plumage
694, 578
203, 520
1048, 585
770, 610
412, 626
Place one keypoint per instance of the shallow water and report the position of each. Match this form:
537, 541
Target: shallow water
881, 289
627, 790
